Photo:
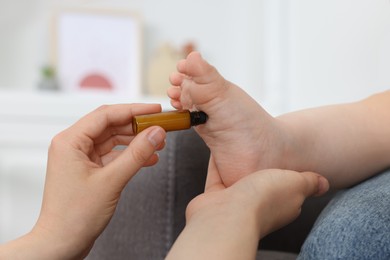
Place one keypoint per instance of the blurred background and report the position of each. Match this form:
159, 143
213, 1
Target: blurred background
288, 55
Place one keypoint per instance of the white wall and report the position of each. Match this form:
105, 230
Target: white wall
228, 33
338, 50
287, 54
22, 44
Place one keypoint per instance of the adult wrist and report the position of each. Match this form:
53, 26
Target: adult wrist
35, 246
219, 232
46, 244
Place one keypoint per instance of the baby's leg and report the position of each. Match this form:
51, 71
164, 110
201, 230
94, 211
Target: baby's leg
242, 137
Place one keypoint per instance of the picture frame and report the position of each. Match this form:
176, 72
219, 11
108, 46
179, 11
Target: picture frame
98, 51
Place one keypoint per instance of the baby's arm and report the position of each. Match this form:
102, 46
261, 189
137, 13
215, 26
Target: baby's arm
346, 143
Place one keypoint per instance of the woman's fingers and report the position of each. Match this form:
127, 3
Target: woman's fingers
105, 121
140, 152
279, 194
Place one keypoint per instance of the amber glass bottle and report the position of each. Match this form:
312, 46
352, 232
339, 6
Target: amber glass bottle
170, 121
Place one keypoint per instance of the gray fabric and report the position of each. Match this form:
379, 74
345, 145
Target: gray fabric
150, 213
275, 255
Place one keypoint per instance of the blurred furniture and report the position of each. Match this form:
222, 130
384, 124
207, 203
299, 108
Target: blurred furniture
150, 214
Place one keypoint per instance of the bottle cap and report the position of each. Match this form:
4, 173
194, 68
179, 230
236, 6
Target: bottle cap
198, 118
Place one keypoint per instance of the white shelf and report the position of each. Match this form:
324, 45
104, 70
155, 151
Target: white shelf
64, 104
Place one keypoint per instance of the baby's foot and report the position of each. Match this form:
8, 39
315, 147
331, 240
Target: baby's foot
242, 136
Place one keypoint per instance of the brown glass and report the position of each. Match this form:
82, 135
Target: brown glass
169, 121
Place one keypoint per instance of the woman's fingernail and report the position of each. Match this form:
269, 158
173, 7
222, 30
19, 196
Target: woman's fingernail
156, 137
323, 185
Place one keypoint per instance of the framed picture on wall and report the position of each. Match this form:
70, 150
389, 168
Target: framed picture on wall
98, 51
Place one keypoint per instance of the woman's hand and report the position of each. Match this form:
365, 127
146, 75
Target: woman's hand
85, 177
227, 223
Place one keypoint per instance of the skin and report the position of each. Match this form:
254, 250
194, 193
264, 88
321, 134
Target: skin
345, 143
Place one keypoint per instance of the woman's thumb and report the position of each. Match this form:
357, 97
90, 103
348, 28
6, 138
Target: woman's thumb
139, 151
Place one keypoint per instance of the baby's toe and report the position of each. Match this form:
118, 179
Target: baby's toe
176, 78
174, 92
176, 104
